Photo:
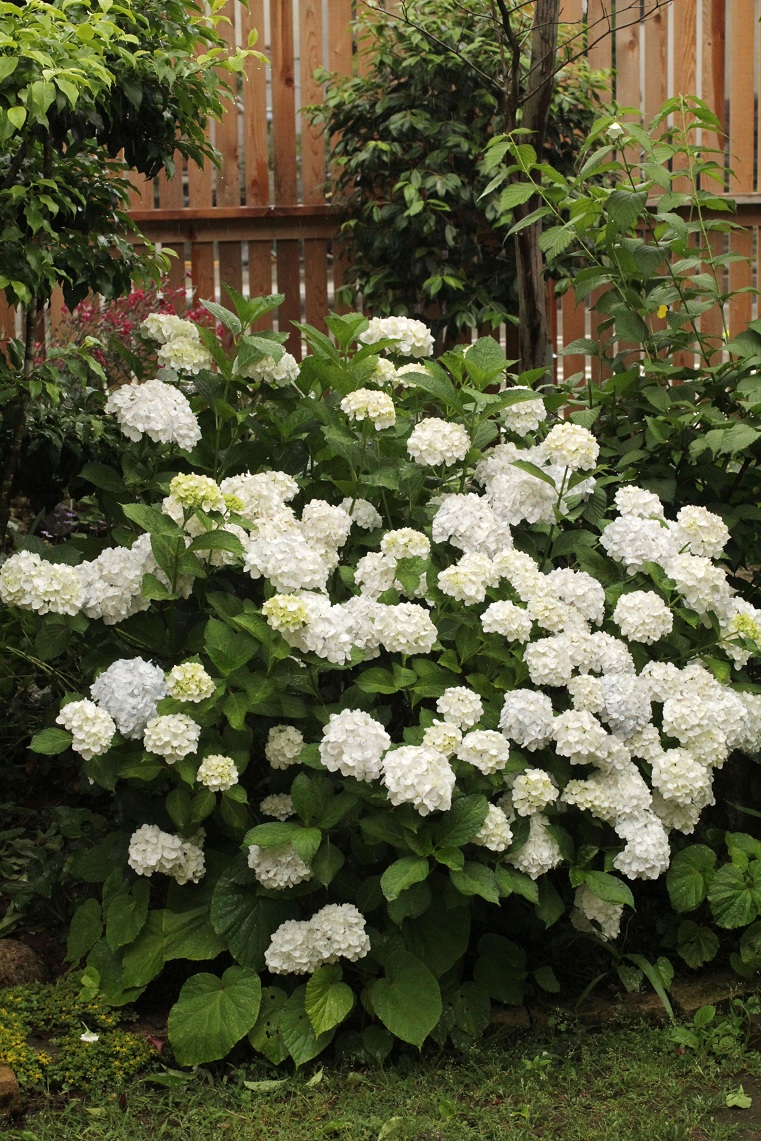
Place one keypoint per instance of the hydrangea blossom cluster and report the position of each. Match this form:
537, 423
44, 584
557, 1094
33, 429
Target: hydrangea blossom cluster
151, 850
279, 373
217, 772
130, 690
189, 681
157, 410
171, 736
434, 442
278, 868
366, 404
180, 346
299, 947
353, 744
92, 729
413, 338
31, 583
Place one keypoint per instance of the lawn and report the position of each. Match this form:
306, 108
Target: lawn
623, 1084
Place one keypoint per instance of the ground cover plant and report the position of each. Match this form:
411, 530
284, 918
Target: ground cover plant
364, 749
622, 1082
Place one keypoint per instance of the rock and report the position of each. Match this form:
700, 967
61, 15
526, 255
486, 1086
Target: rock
10, 1094
688, 995
514, 1017
19, 964
646, 1006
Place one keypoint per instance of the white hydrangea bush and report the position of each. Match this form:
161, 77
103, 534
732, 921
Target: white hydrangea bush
405, 670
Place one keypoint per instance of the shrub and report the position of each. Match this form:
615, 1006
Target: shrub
385, 741
407, 141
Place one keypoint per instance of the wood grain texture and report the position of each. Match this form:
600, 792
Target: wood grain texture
740, 277
685, 71
229, 174
316, 282
289, 283
283, 101
312, 138
573, 326
255, 140
600, 33
341, 60
742, 15
656, 62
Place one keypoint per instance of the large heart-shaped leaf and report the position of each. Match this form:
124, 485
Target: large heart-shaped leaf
212, 1014
408, 999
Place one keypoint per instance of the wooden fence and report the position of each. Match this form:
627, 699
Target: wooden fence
262, 222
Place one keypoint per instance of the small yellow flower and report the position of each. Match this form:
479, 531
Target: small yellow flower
662, 310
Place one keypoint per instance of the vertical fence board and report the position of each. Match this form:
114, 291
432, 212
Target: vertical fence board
229, 174
284, 157
741, 140
341, 61
574, 322
656, 62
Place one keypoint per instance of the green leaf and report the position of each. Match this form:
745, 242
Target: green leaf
245, 921
305, 841
49, 742
327, 1000
212, 1014
100, 475
228, 649
402, 874
471, 1007
408, 999
689, 876
85, 930
224, 316
501, 969
516, 194
731, 898
609, 888
126, 915
624, 207
462, 822
439, 937
510, 880
476, 879
652, 973
297, 1031
265, 1036
696, 944
190, 935
144, 958
739, 1099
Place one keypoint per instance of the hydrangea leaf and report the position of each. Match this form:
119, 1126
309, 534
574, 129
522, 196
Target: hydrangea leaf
212, 1014
327, 1000
408, 999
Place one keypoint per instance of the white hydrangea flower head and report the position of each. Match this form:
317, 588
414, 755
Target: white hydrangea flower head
594, 915
602, 653
527, 718
217, 772
586, 693
521, 571
151, 850
611, 795
278, 804
112, 582
421, 776
406, 628
260, 495
505, 618
434, 441
384, 373
647, 854
184, 354
92, 729
701, 532
353, 744
702, 585
328, 632
516, 495
525, 415
292, 950
129, 690
362, 513
413, 338
405, 543
571, 446
368, 404
485, 749
461, 706
580, 737
469, 523
532, 791
678, 776
197, 493
189, 681
339, 932
626, 704
286, 612
677, 817
469, 578
634, 541
278, 868
375, 573
283, 747
581, 591
742, 621
551, 661
632, 500
288, 561
156, 410
31, 583
443, 736
322, 523
643, 616
550, 613
540, 854
171, 736
270, 371
163, 327
495, 832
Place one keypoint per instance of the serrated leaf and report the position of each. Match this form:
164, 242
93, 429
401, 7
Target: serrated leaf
408, 999
689, 876
610, 888
327, 1000
403, 874
50, 742
297, 1031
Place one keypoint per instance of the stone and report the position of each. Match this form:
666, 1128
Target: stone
646, 1006
10, 1094
19, 964
514, 1017
688, 995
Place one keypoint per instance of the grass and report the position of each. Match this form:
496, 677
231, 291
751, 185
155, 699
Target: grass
626, 1084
